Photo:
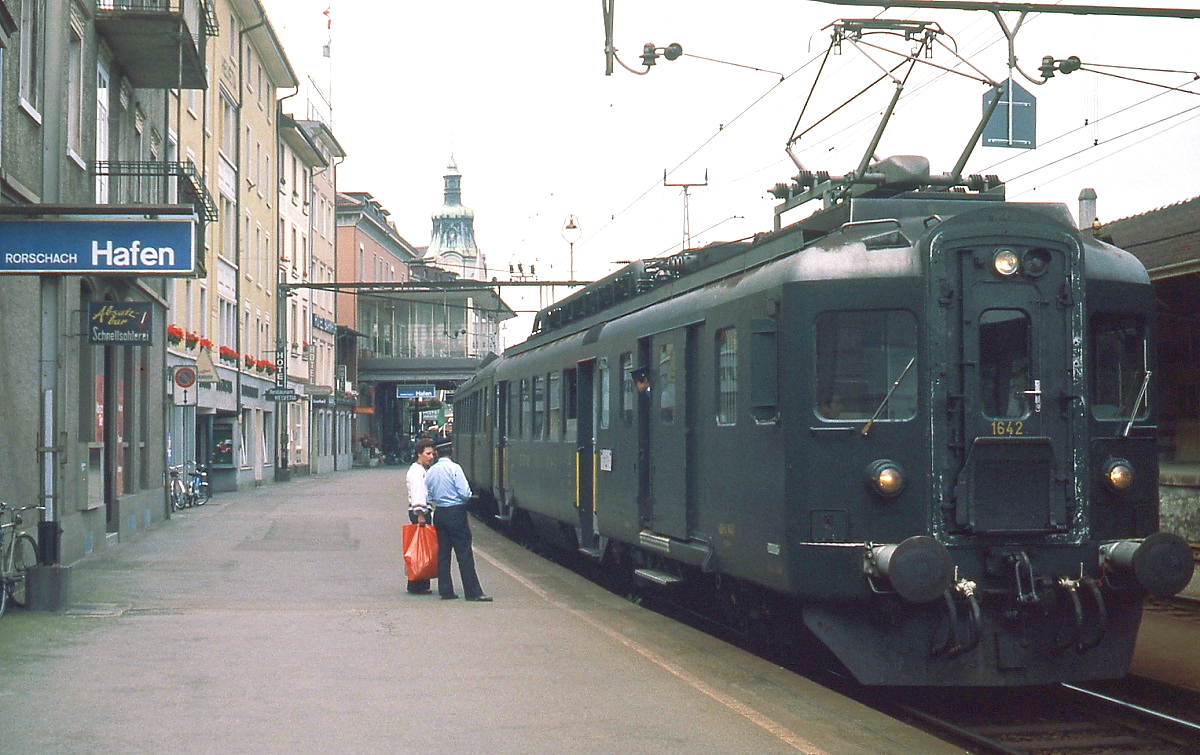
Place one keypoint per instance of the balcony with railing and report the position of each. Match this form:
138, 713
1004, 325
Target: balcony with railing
159, 43
134, 182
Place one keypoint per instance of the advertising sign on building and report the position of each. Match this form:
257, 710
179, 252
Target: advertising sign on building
120, 322
85, 245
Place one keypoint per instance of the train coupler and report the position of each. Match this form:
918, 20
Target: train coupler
1024, 583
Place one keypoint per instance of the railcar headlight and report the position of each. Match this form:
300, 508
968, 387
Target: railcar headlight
1036, 262
886, 478
1118, 473
1006, 262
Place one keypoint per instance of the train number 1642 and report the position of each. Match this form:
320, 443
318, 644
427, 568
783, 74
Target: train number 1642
1008, 428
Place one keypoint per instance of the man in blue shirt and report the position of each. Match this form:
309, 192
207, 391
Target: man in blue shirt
449, 493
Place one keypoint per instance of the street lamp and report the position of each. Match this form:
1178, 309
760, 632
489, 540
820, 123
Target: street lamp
571, 233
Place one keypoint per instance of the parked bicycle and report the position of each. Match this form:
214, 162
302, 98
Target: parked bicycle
18, 554
196, 491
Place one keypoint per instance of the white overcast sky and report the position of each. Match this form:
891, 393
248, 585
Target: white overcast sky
517, 92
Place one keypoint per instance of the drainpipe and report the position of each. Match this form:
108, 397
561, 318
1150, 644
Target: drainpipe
48, 588
237, 225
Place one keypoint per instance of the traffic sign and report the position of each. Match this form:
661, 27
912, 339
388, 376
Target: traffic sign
282, 394
185, 377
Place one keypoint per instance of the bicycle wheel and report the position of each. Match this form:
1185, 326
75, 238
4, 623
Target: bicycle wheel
24, 558
176, 497
203, 494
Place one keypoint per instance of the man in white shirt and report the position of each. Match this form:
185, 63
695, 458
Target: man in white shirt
418, 499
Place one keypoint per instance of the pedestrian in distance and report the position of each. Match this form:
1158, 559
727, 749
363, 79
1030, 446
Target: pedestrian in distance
418, 499
449, 493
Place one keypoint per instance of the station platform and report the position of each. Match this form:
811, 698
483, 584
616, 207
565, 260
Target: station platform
276, 620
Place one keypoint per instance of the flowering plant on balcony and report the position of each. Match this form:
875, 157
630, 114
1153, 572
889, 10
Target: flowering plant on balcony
261, 365
174, 334
228, 355
250, 361
268, 367
206, 344
191, 339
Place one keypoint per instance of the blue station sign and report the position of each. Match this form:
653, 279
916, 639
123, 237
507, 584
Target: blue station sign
162, 246
416, 391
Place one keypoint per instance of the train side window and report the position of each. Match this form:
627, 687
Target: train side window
1004, 365
727, 376
1119, 363
523, 421
602, 387
627, 387
860, 355
570, 388
764, 378
666, 376
554, 399
539, 408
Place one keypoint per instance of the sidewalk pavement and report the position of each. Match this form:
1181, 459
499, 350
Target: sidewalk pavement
275, 620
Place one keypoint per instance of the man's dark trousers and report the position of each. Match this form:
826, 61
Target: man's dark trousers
454, 531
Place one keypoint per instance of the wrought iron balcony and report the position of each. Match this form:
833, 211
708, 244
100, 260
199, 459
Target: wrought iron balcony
159, 43
148, 182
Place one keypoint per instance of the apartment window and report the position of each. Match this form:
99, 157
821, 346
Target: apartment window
102, 82
229, 127
75, 94
31, 54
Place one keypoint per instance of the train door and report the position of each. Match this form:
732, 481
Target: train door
667, 438
1021, 373
579, 409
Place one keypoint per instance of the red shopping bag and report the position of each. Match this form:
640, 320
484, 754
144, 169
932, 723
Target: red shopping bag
420, 551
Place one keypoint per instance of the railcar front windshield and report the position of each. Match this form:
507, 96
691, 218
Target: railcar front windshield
1004, 365
1119, 364
860, 356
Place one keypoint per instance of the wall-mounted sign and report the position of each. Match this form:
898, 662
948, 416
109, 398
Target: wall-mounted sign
120, 322
416, 391
164, 246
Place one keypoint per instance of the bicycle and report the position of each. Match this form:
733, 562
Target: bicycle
195, 492
175, 487
199, 489
18, 554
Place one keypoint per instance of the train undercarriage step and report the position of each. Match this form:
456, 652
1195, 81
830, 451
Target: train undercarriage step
657, 577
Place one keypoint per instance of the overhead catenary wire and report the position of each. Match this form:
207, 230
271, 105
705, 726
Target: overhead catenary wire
974, 46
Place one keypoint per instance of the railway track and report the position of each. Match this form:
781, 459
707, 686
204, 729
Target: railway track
1058, 719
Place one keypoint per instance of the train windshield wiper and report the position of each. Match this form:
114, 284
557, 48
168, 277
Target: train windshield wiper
867, 427
1137, 403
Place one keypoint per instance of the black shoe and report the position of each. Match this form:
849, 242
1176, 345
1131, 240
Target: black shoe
481, 599
451, 596
426, 591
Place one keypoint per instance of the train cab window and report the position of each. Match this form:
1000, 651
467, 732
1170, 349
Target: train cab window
539, 408
1004, 367
1119, 366
860, 356
627, 387
602, 388
554, 400
727, 376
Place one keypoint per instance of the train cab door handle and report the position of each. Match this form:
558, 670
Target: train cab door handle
1036, 395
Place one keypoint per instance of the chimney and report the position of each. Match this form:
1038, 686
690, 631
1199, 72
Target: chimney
1087, 209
